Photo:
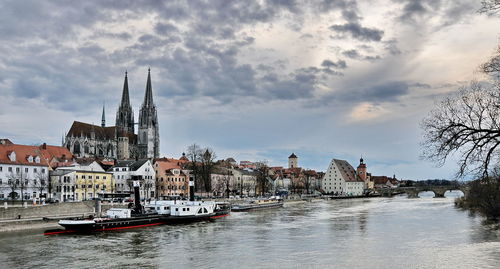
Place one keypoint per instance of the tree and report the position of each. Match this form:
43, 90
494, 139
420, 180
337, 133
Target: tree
467, 124
40, 182
206, 167
262, 177
484, 196
490, 6
23, 183
194, 154
13, 183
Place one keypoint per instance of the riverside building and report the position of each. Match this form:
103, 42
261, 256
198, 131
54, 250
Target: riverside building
24, 169
341, 179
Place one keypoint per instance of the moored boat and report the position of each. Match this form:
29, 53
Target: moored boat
156, 213
272, 202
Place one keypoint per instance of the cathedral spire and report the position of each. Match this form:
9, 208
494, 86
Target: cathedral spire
103, 118
125, 96
125, 114
148, 96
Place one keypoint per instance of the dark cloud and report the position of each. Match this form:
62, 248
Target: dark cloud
416, 12
354, 54
356, 31
339, 64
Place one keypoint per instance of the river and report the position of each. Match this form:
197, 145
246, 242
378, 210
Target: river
358, 233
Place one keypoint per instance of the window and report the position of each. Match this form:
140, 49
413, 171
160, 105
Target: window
0, 169
26, 170
34, 170
17, 169
10, 169
43, 170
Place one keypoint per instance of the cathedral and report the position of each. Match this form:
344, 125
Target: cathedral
120, 142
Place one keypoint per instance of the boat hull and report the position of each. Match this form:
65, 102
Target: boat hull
239, 208
135, 222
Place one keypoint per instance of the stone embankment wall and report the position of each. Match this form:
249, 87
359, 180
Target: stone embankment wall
53, 210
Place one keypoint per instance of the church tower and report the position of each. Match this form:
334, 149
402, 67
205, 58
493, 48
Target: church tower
149, 138
125, 115
293, 161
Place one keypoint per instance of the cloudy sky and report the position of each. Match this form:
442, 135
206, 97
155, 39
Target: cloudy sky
254, 80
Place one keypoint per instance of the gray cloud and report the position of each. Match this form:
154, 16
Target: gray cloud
354, 54
339, 64
356, 31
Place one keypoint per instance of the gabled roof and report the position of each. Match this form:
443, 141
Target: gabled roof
102, 133
46, 153
292, 156
132, 164
346, 171
5, 141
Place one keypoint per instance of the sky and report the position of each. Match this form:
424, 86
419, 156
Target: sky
253, 80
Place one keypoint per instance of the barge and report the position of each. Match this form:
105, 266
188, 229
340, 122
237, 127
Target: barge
272, 202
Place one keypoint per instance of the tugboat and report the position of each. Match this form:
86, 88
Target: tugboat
157, 213
272, 202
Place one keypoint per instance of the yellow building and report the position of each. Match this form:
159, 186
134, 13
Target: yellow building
92, 184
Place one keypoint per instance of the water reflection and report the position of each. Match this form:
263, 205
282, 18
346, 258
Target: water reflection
361, 233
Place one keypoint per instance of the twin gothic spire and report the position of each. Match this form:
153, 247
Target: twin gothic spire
148, 136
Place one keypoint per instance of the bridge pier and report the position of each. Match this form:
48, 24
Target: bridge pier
439, 193
412, 194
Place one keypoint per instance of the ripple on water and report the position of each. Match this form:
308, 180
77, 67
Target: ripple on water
358, 233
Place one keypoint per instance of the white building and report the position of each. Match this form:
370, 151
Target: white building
341, 179
23, 171
124, 172
62, 184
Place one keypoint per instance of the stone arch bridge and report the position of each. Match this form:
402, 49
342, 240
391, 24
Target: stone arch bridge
413, 192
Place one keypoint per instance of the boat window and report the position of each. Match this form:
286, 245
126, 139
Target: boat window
205, 210
176, 209
200, 211
183, 209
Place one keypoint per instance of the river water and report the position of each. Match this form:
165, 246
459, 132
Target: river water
359, 233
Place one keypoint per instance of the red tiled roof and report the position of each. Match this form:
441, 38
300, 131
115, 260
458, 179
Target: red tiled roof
46, 153
163, 164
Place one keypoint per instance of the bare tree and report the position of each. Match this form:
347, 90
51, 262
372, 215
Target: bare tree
40, 182
262, 184
206, 167
194, 154
23, 183
466, 123
13, 183
490, 6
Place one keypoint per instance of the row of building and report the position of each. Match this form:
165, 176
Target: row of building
103, 161
53, 172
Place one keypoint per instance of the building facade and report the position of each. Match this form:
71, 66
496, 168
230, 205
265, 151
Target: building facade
341, 179
171, 179
24, 169
125, 172
63, 185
